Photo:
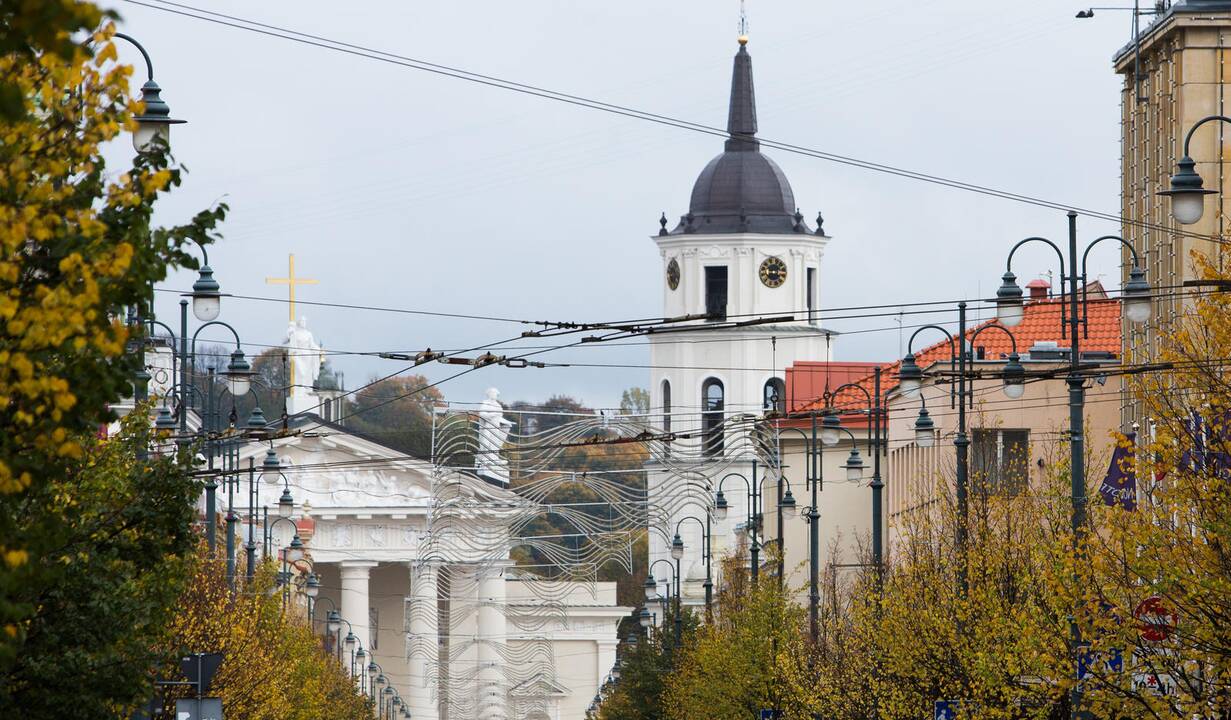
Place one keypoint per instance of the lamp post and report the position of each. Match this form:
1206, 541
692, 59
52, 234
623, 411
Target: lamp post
1138, 307
910, 377
831, 434
754, 488
206, 300
677, 552
672, 583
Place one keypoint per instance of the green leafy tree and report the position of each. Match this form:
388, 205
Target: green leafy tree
645, 669
77, 249
115, 535
32, 28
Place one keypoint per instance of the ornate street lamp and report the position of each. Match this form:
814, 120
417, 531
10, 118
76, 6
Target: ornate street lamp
295, 553
238, 374
925, 429
155, 120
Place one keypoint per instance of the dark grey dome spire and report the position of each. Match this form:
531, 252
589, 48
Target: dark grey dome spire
741, 190
742, 115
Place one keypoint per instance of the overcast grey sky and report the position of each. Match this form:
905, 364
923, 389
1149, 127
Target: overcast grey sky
400, 188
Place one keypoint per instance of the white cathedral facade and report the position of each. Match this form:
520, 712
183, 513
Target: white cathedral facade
742, 254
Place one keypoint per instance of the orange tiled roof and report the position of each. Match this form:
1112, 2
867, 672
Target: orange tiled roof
1041, 322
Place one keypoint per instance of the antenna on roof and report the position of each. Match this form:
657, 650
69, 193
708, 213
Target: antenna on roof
743, 22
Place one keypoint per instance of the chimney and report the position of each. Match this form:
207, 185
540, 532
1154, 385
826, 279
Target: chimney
1039, 289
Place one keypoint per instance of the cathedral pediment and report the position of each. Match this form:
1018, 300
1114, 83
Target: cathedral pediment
539, 686
336, 471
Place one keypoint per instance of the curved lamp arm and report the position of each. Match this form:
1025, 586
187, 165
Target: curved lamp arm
324, 598
149, 65
1001, 328
214, 322
1189, 136
704, 539
873, 406
910, 351
723, 481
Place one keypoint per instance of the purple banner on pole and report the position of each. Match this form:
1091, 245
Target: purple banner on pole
1120, 485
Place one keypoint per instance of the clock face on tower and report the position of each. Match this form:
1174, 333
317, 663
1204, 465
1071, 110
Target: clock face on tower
773, 272
673, 274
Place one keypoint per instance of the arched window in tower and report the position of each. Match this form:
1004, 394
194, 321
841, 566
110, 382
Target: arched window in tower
666, 406
328, 409
713, 400
775, 395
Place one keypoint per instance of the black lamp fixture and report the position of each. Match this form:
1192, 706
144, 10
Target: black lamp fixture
1014, 376
925, 429
1186, 191
677, 547
1010, 309
831, 428
910, 376
295, 553
788, 504
155, 120
239, 374
854, 466
720, 506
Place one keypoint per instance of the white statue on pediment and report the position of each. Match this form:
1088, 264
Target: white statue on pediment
306, 357
493, 431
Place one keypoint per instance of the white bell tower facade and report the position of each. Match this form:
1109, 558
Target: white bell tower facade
742, 253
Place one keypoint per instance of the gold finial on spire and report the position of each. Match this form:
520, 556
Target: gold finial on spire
743, 23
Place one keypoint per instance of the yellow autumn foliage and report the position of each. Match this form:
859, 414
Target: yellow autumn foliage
274, 667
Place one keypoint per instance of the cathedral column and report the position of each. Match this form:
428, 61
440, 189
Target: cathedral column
424, 641
492, 633
356, 606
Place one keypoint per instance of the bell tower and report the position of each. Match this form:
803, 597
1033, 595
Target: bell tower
742, 251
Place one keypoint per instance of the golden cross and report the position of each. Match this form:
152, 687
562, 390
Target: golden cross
291, 281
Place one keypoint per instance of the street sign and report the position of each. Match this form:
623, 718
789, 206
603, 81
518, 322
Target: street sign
1155, 620
199, 669
198, 709
1112, 661
768, 714
1154, 684
945, 710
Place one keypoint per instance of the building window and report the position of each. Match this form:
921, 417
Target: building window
328, 409
716, 292
810, 300
1001, 461
713, 400
666, 406
774, 395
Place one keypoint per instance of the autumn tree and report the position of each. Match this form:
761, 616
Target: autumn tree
274, 667
397, 411
115, 536
736, 665
1157, 571
635, 401
77, 249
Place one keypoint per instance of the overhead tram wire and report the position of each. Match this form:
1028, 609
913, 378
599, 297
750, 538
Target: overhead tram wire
1113, 395
326, 43
893, 310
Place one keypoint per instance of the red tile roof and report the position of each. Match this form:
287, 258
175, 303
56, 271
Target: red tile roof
1041, 323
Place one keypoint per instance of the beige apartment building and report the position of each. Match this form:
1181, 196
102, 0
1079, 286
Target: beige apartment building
1175, 73
1014, 442
845, 523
